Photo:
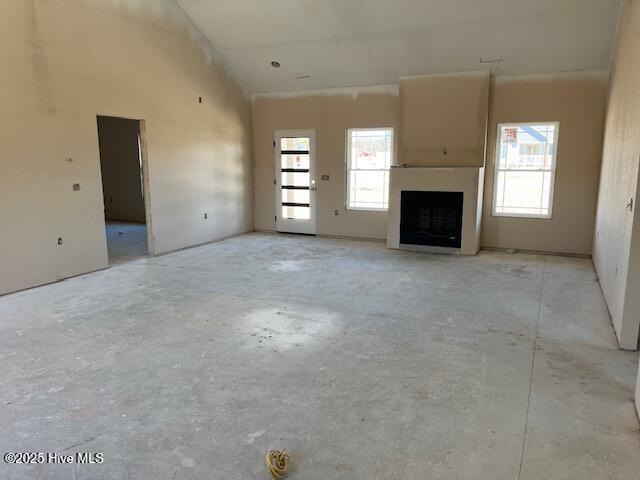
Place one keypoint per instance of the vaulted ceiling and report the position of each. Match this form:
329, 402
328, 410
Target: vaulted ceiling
331, 43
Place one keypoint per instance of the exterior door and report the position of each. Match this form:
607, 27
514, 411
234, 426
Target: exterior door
295, 181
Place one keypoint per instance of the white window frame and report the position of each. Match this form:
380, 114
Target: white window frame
348, 166
496, 165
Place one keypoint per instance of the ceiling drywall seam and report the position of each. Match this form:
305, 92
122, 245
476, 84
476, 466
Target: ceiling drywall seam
550, 76
480, 73
392, 89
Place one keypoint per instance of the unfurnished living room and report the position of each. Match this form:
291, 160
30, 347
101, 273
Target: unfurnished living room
319, 239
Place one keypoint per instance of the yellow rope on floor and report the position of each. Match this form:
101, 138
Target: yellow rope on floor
277, 463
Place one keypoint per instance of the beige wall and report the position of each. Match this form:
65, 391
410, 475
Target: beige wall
616, 251
330, 113
577, 101
71, 60
444, 119
120, 169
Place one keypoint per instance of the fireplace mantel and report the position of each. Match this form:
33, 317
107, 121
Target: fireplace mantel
469, 180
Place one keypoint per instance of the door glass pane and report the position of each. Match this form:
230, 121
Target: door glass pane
295, 161
297, 213
296, 143
297, 179
295, 196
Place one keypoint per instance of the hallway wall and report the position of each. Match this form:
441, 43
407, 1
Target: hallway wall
616, 251
142, 59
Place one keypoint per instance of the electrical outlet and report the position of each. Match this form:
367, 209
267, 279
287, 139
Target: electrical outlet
76, 187
336, 213
59, 240
206, 216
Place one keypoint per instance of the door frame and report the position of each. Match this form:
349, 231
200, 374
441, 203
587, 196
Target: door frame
146, 187
280, 223
144, 163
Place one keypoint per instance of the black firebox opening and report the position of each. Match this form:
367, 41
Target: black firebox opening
431, 218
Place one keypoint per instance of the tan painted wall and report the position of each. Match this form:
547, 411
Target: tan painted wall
444, 119
616, 251
120, 169
71, 60
577, 101
330, 113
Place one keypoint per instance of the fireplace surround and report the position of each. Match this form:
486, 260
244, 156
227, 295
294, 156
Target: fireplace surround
467, 181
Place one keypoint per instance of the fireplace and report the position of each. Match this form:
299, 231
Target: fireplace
431, 218
420, 204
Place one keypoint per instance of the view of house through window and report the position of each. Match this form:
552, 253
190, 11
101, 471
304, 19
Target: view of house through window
525, 169
369, 157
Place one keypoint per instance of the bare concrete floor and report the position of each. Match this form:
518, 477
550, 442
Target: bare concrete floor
364, 363
126, 241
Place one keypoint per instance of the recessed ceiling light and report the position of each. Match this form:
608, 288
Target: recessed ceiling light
275, 64
491, 59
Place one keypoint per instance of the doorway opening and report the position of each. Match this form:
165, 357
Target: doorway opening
124, 188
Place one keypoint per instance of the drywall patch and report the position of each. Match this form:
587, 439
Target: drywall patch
39, 65
444, 118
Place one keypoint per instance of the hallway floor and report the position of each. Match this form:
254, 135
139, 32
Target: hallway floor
364, 363
126, 241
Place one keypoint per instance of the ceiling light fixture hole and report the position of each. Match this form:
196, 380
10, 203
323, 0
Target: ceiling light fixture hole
275, 64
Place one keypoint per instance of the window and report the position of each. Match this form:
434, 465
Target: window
525, 169
369, 157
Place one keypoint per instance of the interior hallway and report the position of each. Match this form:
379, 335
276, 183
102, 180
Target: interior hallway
365, 363
126, 241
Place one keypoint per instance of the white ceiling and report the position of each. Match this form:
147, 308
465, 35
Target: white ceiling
373, 42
